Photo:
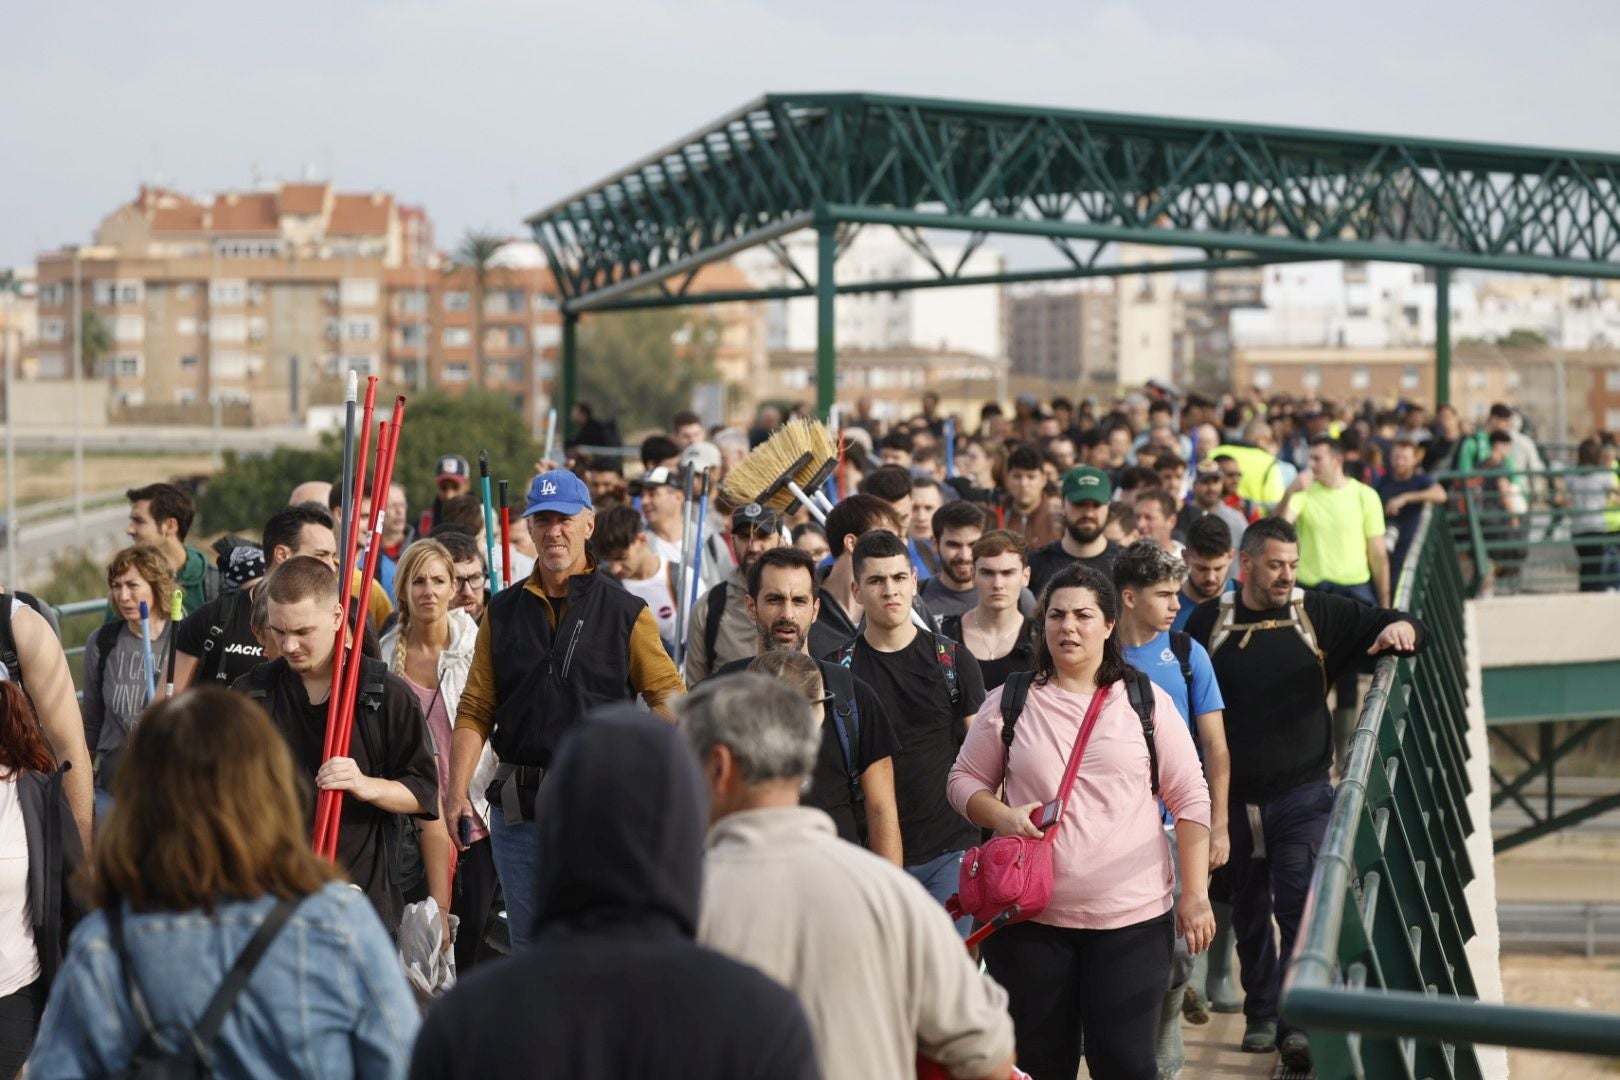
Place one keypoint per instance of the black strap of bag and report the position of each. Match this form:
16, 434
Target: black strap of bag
150, 1060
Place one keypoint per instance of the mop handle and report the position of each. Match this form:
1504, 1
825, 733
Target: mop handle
177, 610
489, 522
807, 502
703, 515
950, 447
146, 652
506, 537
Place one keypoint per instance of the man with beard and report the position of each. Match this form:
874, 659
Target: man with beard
957, 527
1209, 556
853, 779
721, 629
1086, 491
567, 640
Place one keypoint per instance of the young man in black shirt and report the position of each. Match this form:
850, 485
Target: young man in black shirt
1086, 491
216, 641
1275, 649
931, 688
782, 605
389, 770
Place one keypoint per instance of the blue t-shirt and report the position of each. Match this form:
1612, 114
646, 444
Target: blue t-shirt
1185, 611
1158, 661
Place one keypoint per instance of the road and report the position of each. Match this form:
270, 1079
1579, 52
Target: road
40, 542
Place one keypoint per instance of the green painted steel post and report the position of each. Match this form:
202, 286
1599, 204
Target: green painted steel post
570, 371
826, 327
1442, 336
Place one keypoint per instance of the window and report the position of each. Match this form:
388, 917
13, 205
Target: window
255, 293
358, 292
231, 397
456, 301
456, 373
547, 335
130, 397
333, 329
514, 337
457, 336
186, 326
188, 362
361, 365
405, 373
248, 249
1611, 417
359, 329
185, 397
1262, 377
256, 328
52, 295
52, 330
412, 335
411, 303
186, 290
129, 292
227, 291
515, 371
1360, 378
228, 365
128, 365
104, 292
1311, 380
1611, 383
1410, 378
503, 302
542, 302
228, 328
126, 328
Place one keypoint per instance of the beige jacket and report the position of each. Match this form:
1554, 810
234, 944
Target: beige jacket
875, 961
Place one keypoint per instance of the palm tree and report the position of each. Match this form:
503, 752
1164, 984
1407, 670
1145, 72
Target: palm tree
95, 342
476, 253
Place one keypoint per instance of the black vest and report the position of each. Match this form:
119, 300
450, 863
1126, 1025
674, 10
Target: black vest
547, 680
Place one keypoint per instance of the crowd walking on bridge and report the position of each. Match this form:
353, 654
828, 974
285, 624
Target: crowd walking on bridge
988, 754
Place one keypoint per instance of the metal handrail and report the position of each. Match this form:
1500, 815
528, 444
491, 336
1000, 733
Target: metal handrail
1400, 1000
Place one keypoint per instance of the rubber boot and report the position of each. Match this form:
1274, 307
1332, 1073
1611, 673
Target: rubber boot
1170, 1052
1221, 988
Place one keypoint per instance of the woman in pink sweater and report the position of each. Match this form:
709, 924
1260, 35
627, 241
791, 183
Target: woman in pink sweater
1098, 958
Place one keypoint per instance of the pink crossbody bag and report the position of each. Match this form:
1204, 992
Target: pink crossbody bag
1009, 878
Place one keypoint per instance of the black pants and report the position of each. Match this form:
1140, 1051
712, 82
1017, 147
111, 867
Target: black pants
471, 898
1589, 550
19, 1014
1105, 984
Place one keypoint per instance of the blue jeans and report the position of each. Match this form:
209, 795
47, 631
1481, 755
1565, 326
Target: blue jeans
103, 805
939, 876
516, 849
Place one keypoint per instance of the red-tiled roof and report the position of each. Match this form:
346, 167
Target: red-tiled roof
184, 217
243, 213
359, 215
303, 199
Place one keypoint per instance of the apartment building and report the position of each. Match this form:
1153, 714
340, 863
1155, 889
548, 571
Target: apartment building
1067, 338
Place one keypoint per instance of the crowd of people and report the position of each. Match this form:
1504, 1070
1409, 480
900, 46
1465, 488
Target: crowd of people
732, 772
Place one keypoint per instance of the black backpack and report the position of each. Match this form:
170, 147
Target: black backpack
1138, 689
846, 719
211, 665
150, 1061
402, 846
944, 652
8, 642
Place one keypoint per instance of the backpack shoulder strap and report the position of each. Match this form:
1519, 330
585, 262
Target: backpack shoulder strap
844, 657
1302, 620
1139, 689
1013, 694
369, 703
845, 713
1181, 648
8, 642
1224, 620
258, 684
236, 980
106, 642
945, 650
711, 626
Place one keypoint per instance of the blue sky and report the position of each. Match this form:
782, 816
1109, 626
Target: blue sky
485, 110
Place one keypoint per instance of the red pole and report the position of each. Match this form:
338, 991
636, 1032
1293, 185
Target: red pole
387, 448
350, 500
506, 540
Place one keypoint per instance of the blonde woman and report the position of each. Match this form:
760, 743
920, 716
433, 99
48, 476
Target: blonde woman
430, 646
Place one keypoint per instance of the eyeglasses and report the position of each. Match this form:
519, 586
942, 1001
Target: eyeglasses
468, 584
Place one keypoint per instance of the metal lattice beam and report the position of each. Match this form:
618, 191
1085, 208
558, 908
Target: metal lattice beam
787, 162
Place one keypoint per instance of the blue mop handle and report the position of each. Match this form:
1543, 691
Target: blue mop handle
950, 447
497, 581
146, 652
702, 516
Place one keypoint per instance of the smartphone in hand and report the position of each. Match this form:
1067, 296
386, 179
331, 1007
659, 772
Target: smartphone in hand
1047, 814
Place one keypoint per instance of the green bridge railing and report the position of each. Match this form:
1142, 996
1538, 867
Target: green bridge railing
1380, 977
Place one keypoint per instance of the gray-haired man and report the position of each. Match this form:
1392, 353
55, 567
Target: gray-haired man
784, 894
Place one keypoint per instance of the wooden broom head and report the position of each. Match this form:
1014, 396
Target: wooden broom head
814, 439
799, 451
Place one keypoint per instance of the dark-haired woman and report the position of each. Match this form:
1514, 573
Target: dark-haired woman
206, 842
39, 850
1097, 959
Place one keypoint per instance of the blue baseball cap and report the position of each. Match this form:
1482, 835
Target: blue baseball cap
559, 491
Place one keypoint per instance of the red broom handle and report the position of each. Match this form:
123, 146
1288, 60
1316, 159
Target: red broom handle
506, 544
350, 499
387, 448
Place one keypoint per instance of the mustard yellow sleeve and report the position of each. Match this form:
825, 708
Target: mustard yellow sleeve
476, 709
652, 672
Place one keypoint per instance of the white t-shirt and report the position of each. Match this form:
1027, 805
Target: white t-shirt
19, 961
660, 600
668, 550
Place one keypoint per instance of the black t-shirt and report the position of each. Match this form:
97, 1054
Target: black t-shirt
1045, 563
407, 750
1019, 658
1278, 727
238, 650
829, 784
911, 685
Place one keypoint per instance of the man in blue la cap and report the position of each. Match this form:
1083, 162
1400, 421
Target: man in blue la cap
549, 650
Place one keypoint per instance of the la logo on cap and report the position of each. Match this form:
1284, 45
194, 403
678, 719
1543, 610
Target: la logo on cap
547, 487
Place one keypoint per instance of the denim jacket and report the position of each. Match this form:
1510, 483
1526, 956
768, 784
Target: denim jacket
329, 998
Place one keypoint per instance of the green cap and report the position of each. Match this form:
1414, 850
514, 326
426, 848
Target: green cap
1086, 484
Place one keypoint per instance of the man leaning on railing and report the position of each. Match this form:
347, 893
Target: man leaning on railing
1276, 648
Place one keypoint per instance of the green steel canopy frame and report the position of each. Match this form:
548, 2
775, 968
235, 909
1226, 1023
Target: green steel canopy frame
1230, 194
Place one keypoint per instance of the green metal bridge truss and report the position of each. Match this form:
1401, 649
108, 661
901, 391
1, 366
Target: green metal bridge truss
1226, 194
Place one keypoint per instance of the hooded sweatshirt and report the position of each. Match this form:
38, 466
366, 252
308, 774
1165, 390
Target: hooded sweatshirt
614, 984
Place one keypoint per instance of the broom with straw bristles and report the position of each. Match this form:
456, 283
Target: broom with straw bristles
788, 467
